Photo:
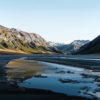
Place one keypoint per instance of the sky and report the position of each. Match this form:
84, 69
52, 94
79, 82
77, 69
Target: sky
55, 20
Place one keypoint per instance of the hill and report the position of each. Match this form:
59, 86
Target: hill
92, 47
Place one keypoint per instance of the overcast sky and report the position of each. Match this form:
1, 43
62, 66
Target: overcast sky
55, 20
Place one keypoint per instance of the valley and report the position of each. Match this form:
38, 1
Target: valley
49, 50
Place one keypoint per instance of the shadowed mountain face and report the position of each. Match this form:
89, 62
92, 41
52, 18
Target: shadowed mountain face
75, 45
22, 41
92, 47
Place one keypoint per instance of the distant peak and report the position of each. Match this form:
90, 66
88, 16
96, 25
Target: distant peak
13, 29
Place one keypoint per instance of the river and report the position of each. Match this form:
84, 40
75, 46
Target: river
58, 78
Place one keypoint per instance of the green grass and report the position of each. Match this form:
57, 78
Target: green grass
7, 45
18, 44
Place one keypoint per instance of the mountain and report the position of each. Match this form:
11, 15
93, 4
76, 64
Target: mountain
92, 47
75, 45
21, 41
54, 44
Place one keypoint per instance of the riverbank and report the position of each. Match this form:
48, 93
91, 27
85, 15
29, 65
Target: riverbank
33, 94
84, 61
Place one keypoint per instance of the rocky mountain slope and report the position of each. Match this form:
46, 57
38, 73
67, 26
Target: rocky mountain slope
92, 47
75, 45
22, 41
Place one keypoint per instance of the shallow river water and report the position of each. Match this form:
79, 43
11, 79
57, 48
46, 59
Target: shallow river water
55, 77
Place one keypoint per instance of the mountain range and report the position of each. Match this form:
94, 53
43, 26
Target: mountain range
20, 42
23, 42
68, 48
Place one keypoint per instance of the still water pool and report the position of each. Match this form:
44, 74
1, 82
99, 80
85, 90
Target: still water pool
55, 77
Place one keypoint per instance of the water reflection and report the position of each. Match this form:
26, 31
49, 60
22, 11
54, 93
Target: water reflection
20, 68
57, 78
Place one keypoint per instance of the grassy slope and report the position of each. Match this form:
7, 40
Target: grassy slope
9, 41
18, 46
11, 52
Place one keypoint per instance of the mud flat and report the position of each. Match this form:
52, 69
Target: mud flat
83, 61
